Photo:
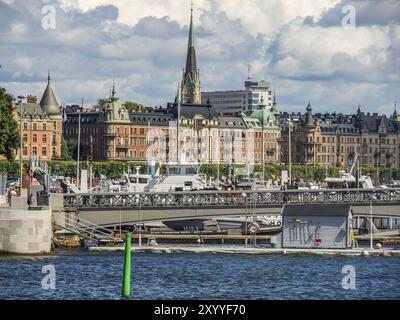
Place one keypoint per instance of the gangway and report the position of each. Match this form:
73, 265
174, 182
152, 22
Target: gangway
82, 228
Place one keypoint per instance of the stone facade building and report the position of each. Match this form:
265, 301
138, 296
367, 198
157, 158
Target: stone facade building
337, 139
380, 138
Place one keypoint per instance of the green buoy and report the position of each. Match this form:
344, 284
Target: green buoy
126, 282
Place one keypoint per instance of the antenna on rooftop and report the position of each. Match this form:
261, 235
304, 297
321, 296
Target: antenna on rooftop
249, 75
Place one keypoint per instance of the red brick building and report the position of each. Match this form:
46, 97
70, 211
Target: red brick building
41, 126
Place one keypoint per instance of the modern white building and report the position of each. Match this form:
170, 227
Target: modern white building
236, 101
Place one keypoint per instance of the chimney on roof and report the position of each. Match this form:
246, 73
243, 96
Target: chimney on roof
31, 99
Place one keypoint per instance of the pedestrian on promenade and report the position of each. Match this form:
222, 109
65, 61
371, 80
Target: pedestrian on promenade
9, 197
29, 200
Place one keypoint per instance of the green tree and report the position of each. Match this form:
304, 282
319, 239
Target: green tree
9, 135
72, 146
66, 153
134, 106
102, 102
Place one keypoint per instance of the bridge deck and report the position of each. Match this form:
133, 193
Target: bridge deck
109, 209
203, 199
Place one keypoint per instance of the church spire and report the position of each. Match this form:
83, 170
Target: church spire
191, 63
191, 92
191, 29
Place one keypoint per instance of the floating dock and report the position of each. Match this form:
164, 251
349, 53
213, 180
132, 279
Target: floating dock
251, 250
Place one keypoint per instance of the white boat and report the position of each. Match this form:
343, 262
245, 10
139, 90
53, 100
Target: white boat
347, 180
309, 185
254, 184
178, 178
137, 182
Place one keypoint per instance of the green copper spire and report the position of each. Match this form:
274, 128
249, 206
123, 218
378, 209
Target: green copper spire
191, 30
191, 63
274, 108
191, 91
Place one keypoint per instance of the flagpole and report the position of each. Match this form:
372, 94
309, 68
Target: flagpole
178, 125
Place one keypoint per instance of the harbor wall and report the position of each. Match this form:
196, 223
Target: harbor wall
25, 231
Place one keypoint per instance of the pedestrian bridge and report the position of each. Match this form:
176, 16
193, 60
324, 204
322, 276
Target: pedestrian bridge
109, 209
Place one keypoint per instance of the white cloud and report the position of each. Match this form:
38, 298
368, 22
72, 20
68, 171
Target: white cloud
141, 46
303, 51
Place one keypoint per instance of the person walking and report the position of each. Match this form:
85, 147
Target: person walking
9, 197
30, 200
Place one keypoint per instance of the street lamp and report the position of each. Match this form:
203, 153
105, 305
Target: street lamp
79, 149
244, 195
20, 97
290, 149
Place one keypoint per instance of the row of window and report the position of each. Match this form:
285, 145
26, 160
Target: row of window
35, 138
132, 154
354, 140
35, 149
375, 150
382, 141
39, 126
333, 139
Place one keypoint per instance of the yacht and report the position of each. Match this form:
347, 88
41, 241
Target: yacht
178, 177
137, 182
347, 180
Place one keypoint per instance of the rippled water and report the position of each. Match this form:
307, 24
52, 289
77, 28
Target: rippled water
85, 275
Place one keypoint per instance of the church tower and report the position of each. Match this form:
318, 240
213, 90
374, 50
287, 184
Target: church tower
190, 86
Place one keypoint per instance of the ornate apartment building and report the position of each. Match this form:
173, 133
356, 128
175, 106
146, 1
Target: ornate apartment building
41, 126
184, 133
336, 139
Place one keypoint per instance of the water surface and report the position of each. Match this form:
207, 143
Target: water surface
88, 275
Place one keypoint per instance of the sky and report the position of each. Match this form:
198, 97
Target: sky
300, 46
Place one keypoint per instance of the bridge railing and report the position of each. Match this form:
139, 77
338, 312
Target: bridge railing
229, 198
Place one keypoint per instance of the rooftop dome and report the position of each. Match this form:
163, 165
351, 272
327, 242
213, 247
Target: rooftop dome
49, 102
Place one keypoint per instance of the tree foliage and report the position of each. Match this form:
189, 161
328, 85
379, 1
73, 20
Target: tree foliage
115, 170
102, 103
66, 153
9, 135
134, 106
